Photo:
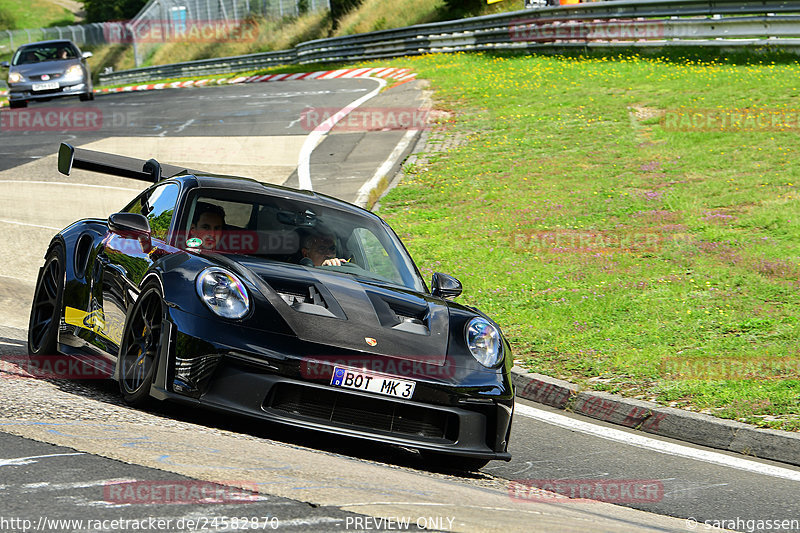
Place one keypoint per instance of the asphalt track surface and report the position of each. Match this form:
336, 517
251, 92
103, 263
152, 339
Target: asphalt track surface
694, 482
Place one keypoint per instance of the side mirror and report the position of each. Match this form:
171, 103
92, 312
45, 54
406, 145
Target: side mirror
445, 286
86, 55
128, 223
5, 64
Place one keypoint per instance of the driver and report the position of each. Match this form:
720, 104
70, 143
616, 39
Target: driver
208, 223
318, 248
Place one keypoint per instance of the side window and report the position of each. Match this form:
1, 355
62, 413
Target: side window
378, 260
158, 205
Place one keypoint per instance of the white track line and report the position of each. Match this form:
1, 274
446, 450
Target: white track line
313, 138
363, 193
71, 185
19, 461
2, 221
668, 448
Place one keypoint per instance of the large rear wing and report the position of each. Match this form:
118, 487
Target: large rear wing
151, 170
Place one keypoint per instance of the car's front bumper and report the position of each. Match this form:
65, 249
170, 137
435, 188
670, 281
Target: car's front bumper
464, 412
24, 91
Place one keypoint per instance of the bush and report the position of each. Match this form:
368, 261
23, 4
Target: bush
6, 20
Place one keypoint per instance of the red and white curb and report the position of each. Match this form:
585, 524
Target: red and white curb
397, 74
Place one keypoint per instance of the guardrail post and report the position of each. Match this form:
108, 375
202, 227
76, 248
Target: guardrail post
11, 39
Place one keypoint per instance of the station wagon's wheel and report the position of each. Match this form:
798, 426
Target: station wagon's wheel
141, 343
46, 309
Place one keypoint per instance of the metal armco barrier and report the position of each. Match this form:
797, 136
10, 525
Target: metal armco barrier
619, 23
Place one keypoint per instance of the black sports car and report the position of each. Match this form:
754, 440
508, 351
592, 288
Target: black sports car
275, 303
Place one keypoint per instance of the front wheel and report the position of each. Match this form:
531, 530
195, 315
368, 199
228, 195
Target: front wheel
85, 97
141, 344
46, 309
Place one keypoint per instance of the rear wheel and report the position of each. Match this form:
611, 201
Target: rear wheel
14, 104
141, 343
46, 309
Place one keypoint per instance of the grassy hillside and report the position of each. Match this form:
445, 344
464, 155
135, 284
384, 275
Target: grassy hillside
631, 222
372, 15
27, 14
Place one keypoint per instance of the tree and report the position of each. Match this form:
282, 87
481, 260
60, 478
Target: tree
110, 10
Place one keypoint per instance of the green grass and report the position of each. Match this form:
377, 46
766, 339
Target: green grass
616, 250
29, 14
611, 247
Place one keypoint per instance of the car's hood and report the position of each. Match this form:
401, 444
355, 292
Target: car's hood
45, 67
345, 312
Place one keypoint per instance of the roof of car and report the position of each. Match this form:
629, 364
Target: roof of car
51, 42
251, 186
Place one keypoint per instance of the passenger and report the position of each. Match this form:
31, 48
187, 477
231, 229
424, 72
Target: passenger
208, 224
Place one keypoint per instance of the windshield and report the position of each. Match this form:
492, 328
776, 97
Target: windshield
51, 52
305, 234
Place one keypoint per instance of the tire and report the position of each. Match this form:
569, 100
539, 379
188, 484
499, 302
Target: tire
452, 463
15, 104
48, 296
85, 97
141, 344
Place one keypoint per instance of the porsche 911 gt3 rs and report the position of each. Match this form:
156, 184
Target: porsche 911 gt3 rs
274, 303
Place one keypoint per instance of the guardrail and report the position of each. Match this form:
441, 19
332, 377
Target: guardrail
618, 23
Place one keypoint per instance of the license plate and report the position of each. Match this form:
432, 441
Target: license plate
388, 386
47, 86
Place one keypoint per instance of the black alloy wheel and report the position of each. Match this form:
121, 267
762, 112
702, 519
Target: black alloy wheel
141, 344
46, 309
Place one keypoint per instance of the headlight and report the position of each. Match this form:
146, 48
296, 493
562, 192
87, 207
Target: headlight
223, 293
483, 340
75, 72
14, 77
